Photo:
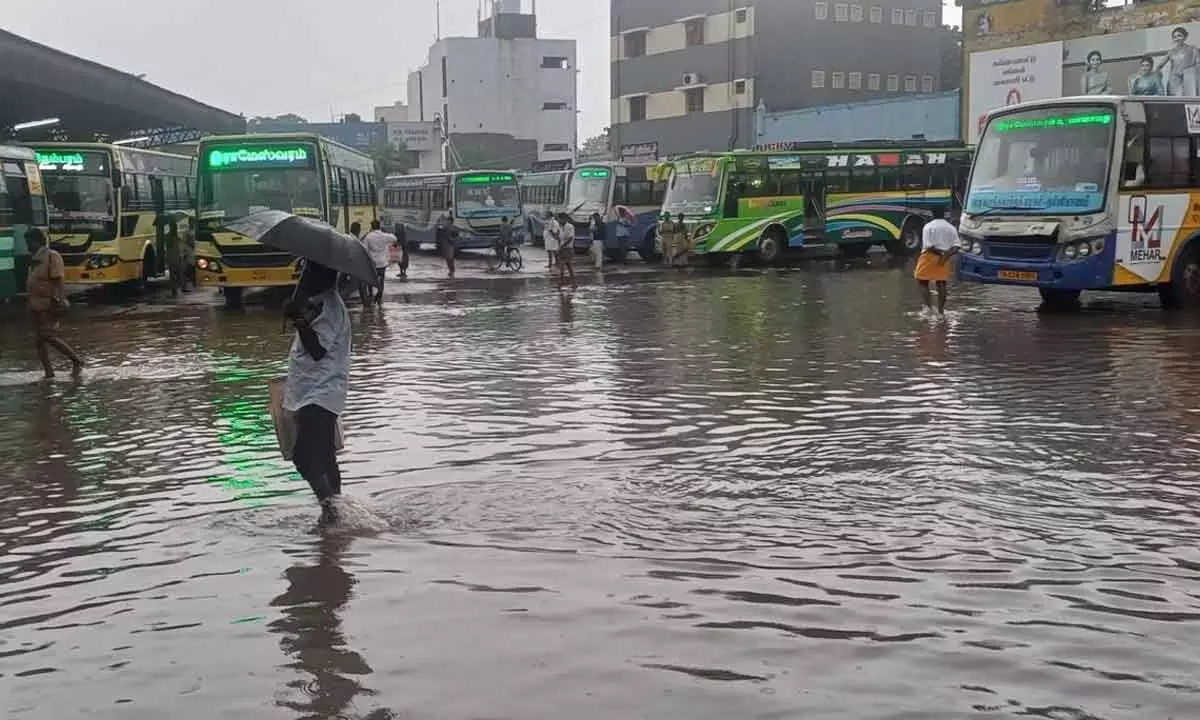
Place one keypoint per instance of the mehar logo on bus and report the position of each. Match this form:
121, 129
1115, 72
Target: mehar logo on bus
1146, 233
225, 158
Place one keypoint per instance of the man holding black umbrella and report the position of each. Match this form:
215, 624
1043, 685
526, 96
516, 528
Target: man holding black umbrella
317, 380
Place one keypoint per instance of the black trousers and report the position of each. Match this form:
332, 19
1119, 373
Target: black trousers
315, 455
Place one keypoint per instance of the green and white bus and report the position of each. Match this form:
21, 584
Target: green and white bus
764, 203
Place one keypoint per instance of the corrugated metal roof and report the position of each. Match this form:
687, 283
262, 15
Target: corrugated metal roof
937, 116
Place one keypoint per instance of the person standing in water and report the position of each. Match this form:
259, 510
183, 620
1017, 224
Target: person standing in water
46, 294
566, 248
402, 241
666, 235
939, 244
550, 232
447, 236
317, 380
379, 246
599, 236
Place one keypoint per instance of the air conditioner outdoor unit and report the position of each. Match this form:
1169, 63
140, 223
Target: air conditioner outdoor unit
690, 79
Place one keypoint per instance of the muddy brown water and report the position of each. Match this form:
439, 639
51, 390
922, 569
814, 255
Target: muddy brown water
769, 494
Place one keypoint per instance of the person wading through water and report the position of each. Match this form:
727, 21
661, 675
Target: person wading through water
566, 248
939, 244
47, 300
379, 246
317, 379
402, 243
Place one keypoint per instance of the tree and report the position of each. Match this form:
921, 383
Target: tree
950, 40
596, 147
285, 119
390, 160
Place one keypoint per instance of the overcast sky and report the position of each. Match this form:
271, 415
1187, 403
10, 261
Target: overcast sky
267, 57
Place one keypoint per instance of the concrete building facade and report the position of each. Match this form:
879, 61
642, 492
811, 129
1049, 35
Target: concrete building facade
506, 98
689, 74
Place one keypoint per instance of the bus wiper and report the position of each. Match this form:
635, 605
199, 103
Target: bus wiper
1000, 208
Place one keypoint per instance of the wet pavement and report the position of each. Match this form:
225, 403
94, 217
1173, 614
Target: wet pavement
762, 494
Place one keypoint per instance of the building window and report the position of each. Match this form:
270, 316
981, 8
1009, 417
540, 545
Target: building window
739, 87
856, 14
554, 62
893, 83
910, 83
693, 32
554, 106
637, 108
693, 100
837, 80
910, 17
821, 10
635, 44
926, 83
897, 16
740, 16
876, 14
929, 19
872, 81
855, 81
818, 78
556, 147
841, 12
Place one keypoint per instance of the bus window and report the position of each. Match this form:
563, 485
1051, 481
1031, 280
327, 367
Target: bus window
837, 180
1170, 162
914, 177
791, 182
889, 178
863, 180
16, 203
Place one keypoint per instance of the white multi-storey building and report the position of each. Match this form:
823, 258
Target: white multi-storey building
507, 98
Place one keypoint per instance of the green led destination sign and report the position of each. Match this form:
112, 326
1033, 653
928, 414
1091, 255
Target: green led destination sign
231, 158
1012, 124
594, 173
73, 161
487, 178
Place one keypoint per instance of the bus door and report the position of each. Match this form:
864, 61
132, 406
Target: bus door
159, 202
815, 189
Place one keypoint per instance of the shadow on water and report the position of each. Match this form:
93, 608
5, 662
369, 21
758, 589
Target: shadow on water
768, 493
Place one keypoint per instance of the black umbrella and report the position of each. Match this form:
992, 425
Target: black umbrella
307, 238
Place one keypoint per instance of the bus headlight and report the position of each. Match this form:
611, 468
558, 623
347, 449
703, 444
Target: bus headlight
1070, 251
208, 265
703, 230
96, 262
1085, 249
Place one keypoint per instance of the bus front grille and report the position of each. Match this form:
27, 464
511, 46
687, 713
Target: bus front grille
1022, 248
257, 260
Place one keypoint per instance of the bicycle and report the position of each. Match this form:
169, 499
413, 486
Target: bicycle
510, 258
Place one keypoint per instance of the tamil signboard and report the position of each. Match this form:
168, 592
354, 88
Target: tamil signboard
415, 136
1009, 76
640, 153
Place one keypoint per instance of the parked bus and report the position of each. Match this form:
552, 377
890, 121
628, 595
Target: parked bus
764, 203
112, 207
542, 192
300, 173
628, 199
1087, 193
22, 206
475, 201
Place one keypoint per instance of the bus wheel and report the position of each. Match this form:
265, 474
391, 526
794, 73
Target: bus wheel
1185, 279
143, 281
770, 247
233, 297
1057, 300
855, 250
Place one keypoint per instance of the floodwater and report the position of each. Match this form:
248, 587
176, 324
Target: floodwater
763, 494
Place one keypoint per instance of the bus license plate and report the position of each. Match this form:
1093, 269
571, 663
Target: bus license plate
258, 275
1022, 275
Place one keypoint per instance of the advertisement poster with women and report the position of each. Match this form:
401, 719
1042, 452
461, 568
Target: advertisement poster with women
1157, 61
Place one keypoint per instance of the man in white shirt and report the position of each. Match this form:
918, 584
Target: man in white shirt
939, 244
317, 380
550, 232
379, 246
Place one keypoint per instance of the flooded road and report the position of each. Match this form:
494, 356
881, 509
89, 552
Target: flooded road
767, 494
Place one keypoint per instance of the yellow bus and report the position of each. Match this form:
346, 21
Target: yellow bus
22, 206
303, 174
111, 208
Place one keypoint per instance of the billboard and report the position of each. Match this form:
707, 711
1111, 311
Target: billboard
1163, 60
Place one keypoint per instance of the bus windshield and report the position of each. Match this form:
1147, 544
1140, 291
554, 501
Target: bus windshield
78, 197
1047, 160
693, 187
486, 193
589, 190
237, 193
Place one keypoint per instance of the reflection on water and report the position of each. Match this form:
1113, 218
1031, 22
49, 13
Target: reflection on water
767, 494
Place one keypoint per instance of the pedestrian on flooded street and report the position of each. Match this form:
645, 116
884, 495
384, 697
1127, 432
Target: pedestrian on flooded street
344, 281
680, 258
379, 246
447, 241
47, 301
598, 237
666, 233
317, 380
402, 242
566, 248
939, 245
551, 231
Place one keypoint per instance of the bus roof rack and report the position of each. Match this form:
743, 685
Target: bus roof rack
882, 143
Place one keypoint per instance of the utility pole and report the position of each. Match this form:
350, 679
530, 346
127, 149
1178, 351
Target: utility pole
437, 4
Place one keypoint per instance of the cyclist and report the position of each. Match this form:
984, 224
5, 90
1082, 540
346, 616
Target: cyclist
503, 241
